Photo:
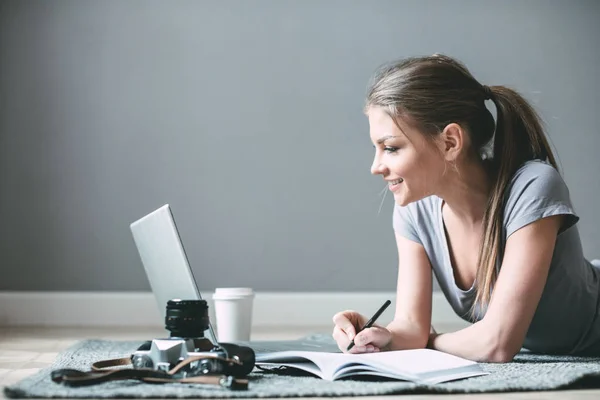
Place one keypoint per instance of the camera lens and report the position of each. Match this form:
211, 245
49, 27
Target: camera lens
187, 318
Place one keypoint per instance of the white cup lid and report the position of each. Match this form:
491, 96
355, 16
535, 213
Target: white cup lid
234, 292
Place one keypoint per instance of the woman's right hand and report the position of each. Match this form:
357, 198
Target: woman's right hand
370, 340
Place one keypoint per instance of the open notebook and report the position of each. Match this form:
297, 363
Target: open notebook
421, 365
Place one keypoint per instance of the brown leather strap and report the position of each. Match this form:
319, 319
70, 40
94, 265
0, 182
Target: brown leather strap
225, 381
114, 362
107, 370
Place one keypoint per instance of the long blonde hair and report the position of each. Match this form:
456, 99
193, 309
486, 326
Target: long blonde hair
437, 90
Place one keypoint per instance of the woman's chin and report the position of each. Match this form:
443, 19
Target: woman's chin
402, 200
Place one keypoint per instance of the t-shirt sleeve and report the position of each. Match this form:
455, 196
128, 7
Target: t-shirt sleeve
404, 225
538, 191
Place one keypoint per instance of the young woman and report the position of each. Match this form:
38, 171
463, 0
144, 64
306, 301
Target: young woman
481, 204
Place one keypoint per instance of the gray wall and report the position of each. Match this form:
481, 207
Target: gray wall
246, 117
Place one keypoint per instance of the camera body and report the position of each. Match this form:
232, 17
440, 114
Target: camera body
187, 320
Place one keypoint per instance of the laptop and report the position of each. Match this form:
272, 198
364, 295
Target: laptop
170, 276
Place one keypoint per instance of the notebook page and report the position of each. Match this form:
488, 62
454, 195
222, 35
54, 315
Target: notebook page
327, 363
403, 364
416, 362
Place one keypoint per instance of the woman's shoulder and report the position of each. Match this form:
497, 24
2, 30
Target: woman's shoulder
537, 178
536, 168
537, 190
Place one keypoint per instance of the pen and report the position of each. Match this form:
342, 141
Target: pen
371, 321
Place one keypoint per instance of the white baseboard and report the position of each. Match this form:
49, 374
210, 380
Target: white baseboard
271, 309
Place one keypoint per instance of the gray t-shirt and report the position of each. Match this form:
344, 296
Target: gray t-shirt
567, 319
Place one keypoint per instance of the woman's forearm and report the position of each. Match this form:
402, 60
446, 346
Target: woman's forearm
406, 336
474, 343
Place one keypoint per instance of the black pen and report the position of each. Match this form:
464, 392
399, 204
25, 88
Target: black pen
371, 321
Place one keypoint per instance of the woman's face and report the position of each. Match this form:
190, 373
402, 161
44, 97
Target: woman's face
411, 165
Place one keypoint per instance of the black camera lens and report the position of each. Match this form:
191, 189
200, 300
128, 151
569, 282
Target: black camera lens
187, 318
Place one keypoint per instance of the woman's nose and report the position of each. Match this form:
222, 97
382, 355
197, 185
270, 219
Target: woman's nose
377, 168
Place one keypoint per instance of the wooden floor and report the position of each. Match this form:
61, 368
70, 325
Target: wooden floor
23, 351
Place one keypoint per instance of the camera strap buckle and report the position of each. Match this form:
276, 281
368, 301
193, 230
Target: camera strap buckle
109, 370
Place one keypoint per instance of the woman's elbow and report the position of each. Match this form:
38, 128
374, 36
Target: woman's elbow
499, 345
499, 351
499, 354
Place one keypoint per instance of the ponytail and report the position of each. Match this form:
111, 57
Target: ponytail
519, 137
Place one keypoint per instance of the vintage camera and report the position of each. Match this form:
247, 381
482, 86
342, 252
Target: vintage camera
186, 320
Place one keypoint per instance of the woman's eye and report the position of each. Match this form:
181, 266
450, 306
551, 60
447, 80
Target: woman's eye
390, 149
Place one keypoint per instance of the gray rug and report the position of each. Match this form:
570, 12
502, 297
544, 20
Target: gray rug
527, 372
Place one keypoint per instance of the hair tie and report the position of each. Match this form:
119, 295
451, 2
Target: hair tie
487, 92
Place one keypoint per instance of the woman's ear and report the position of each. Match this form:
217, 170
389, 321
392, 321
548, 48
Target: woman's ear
452, 141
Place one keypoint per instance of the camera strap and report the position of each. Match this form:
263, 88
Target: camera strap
111, 370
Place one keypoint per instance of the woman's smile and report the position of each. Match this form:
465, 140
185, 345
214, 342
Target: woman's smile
395, 184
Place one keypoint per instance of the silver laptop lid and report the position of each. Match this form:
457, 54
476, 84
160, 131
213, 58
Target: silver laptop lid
164, 260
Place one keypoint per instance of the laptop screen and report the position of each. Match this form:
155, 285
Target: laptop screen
164, 260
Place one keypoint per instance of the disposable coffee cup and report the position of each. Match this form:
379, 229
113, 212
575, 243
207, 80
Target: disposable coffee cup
233, 311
